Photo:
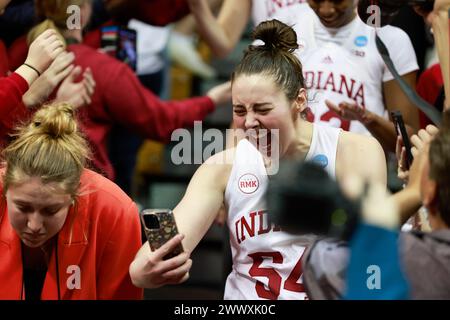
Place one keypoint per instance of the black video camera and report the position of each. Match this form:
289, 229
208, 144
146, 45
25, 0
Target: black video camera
303, 199
390, 8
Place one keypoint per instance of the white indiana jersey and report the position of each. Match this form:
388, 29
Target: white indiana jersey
266, 261
343, 65
263, 10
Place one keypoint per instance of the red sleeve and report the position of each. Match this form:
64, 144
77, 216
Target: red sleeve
428, 88
161, 12
12, 109
139, 109
17, 53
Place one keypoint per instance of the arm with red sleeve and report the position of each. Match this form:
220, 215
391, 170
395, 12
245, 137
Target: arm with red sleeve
161, 12
12, 109
139, 109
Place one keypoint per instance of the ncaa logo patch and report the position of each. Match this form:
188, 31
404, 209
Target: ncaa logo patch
361, 41
248, 183
321, 160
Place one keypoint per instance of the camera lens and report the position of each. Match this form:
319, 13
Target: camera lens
151, 221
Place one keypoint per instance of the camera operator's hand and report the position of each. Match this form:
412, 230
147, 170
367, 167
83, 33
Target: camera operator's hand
377, 206
149, 270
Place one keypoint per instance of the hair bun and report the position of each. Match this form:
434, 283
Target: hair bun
55, 120
276, 35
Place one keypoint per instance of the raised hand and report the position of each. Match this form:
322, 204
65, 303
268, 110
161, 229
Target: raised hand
79, 93
41, 88
221, 93
349, 111
44, 49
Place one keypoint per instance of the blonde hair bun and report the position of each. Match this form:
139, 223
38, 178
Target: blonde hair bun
55, 120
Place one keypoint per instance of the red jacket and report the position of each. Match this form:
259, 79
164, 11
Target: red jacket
12, 88
120, 98
3, 59
428, 87
154, 12
101, 236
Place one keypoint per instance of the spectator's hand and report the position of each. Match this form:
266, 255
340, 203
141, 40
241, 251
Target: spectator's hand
221, 93
41, 89
349, 111
400, 152
44, 49
377, 206
420, 143
149, 270
79, 93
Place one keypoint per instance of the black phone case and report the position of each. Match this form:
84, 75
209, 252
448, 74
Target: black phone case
167, 230
400, 125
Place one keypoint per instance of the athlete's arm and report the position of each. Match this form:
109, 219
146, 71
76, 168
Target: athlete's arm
203, 198
221, 34
193, 215
362, 156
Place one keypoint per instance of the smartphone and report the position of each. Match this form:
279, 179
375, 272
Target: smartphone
126, 49
400, 128
121, 43
160, 227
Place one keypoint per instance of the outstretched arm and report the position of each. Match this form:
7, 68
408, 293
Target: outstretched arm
222, 33
193, 215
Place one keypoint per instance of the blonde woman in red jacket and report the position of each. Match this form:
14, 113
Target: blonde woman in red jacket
65, 231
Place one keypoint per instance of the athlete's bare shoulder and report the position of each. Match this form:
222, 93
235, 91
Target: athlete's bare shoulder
362, 155
219, 166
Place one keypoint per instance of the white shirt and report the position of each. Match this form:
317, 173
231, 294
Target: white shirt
343, 65
263, 10
150, 42
266, 260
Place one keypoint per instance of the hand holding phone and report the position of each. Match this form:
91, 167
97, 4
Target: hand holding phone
401, 131
160, 227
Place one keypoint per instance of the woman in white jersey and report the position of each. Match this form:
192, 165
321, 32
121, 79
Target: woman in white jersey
348, 83
268, 93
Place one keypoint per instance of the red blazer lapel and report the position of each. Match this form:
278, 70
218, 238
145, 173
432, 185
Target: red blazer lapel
10, 260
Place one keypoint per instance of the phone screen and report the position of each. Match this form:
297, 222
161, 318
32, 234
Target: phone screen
127, 51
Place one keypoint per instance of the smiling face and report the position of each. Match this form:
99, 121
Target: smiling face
334, 13
258, 103
37, 212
